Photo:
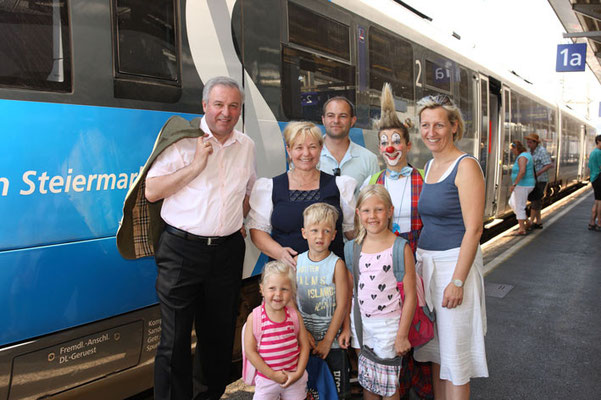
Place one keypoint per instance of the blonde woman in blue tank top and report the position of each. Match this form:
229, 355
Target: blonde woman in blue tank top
451, 206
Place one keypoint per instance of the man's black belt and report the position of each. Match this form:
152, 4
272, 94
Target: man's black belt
207, 240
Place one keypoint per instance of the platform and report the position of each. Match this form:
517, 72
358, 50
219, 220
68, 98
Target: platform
543, 293
544, 335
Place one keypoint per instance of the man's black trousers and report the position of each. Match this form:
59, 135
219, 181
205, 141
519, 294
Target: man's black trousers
197, 283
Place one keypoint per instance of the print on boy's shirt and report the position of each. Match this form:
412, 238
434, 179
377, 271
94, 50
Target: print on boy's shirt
316, 293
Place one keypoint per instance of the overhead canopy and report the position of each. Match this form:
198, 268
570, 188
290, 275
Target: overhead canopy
582, 22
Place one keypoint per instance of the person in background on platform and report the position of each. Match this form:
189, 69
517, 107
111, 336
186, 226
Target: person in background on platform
404, 184
282, 354
449, 258
522, 178
594, 165
542, 163
276, 205
204, 184
323, 291
340, 156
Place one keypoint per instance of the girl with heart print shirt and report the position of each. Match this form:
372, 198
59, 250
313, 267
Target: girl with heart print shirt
385, 320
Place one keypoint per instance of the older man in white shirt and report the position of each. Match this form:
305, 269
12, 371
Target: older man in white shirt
204, 184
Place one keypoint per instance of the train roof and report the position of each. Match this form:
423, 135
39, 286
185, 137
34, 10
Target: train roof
419, 29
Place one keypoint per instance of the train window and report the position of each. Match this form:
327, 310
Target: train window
390, 60
438, 76
35, 45
551, 140
312, 30
310, 80
147, 39
466, 103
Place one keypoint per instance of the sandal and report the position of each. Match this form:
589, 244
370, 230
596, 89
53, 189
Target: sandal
593, 227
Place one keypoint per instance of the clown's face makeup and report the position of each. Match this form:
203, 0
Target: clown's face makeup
393, 148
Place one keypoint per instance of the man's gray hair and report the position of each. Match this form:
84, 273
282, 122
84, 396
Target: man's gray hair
223, 81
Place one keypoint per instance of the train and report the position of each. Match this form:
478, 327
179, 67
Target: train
85, 87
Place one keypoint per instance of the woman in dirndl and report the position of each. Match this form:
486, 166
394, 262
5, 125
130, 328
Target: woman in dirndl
449, 258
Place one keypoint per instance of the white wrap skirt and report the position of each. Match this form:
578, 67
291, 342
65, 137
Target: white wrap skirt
458, 343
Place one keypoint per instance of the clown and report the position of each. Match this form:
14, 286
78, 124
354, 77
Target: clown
403, 182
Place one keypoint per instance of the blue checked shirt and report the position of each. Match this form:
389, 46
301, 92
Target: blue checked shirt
541, 158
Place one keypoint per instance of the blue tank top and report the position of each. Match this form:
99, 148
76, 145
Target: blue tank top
316, 293
441, 214
528, 178
288, 207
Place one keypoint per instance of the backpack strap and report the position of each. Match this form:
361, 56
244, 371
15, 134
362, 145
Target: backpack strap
352, 253
376, 177
348, 255
398, 258
294, 318
257, 332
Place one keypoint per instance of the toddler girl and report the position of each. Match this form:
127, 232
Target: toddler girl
282, 353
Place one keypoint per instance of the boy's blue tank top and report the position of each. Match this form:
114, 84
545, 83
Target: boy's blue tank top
528, 178
441, 214
316, 292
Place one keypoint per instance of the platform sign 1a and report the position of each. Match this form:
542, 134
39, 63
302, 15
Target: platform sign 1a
571, 57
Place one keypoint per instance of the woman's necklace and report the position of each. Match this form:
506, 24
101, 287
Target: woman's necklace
300, 185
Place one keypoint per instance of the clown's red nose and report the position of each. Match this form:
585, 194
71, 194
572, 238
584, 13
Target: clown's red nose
390, 149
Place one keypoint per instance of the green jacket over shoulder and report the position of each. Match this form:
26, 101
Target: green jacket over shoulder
141, 224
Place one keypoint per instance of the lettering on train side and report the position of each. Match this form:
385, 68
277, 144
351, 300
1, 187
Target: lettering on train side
43, 183
153, 333
4, 185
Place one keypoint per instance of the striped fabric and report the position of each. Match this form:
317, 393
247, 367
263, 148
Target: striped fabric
416, 221
279, 344
142, 237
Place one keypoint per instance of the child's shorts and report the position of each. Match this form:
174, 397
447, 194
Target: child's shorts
378, 334
266, 389
379, 379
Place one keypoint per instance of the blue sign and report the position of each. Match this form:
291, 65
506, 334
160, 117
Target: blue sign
571, 57
309, 98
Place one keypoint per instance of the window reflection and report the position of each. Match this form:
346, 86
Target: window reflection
147, 38
35, 45
310, 80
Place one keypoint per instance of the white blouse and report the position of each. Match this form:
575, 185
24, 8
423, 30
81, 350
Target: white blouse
261, 205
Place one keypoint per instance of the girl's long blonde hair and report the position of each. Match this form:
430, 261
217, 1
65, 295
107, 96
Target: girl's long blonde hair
365, 193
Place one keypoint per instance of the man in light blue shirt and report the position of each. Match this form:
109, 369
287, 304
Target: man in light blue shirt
340, 156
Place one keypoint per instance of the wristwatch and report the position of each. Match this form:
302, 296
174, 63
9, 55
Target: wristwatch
458, 282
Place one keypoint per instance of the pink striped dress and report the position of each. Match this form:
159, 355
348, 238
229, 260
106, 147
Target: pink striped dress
279, 343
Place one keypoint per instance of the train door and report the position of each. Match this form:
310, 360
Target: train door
487, 113
582, 153
504, 155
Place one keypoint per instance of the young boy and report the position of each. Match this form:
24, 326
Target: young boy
322, 293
